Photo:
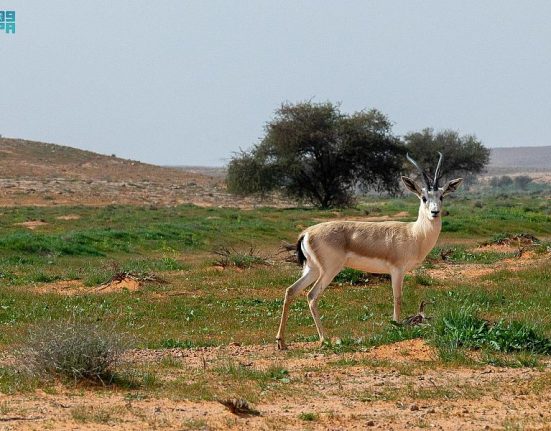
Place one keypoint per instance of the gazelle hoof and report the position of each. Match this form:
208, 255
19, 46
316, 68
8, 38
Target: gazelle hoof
281, 344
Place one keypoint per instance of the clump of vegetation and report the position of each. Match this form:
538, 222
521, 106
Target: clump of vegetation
501, 182
77, 350
308, 416
229, 256
463, 328
522, 181
351, 276
513, 239
519, 182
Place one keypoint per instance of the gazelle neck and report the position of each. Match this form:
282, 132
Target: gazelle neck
426, 228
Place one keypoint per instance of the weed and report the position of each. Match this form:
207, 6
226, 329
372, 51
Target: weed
241, 259
308, 416
100, 415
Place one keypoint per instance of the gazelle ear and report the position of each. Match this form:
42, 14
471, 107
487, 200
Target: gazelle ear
452, 186
412, 186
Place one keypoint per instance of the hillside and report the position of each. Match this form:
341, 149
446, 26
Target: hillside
36, 173
517, 159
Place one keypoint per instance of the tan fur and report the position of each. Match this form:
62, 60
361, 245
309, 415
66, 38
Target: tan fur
399, 244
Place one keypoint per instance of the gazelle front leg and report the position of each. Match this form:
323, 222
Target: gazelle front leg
397, 277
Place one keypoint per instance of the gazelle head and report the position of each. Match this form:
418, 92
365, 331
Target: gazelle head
431, 195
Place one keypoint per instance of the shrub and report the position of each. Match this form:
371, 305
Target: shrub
78, 350
522, 181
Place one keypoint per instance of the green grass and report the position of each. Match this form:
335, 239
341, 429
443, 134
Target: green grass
201, 306
461, 254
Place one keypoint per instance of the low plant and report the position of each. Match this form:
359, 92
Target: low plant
463, 328
308, 416
229, 256
81, 351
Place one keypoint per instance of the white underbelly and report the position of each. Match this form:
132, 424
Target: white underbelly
367, 264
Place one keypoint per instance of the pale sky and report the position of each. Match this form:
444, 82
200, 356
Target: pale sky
189, 82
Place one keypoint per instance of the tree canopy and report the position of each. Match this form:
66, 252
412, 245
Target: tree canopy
314, 152
463, 155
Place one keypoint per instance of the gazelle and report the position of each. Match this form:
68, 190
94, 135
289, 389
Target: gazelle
388, 247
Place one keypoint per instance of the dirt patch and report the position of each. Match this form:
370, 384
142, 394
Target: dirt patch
123, 283
408, 350
32, 224
63, 287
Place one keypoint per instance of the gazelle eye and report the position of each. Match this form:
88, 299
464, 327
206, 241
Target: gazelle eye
424, 199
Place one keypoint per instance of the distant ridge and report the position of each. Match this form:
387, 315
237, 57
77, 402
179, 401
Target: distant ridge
521, 158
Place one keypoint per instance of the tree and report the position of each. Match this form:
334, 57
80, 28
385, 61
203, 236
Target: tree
501, 182
522, 181
463, 155
314, 152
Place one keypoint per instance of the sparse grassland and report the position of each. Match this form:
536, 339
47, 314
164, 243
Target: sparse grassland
207, 332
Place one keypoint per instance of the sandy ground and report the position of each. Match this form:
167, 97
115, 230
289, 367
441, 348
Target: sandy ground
419, 395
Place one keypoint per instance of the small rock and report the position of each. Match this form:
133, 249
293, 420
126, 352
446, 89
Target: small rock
370, 423
414, 407
465, 410
431, 410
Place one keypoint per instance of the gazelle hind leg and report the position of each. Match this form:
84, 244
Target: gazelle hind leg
314, 295
308, 277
